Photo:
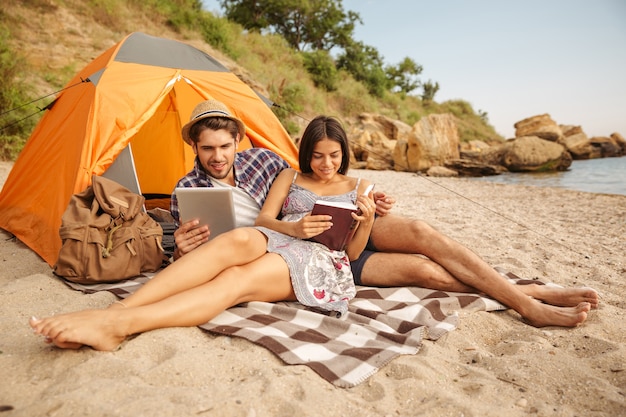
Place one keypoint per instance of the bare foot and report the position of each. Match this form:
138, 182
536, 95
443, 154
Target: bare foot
562, 297
547, 315
95, 328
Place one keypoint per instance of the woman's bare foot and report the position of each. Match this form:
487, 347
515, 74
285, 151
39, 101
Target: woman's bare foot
542, 315
562, 297
95, 328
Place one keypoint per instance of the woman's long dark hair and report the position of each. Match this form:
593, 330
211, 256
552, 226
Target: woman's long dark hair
323, 127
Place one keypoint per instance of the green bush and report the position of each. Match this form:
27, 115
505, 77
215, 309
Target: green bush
459, 108
322, 68
15, 123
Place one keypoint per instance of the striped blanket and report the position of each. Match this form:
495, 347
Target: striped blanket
381, 324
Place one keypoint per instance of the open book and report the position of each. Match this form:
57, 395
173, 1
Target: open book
344, 226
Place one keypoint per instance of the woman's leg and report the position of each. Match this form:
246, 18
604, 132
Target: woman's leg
265, 279
237, 247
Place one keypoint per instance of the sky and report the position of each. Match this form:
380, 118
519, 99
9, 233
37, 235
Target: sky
512, 59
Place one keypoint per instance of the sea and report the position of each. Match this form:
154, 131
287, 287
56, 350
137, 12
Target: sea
600, 175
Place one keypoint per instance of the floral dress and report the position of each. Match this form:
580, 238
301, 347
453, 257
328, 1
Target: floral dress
320, 277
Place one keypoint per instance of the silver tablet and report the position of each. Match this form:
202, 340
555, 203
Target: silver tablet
212, 206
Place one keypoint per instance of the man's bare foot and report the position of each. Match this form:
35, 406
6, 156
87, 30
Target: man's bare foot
562, 297
95, 328
542, 315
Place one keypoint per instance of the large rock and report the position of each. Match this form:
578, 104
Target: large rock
579, 146
569, 130
619, 139
432, 141
473, 168
533, 154
606, 146
438, 171
541, 126
373, 139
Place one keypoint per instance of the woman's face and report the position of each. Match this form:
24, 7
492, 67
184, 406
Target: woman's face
326, 158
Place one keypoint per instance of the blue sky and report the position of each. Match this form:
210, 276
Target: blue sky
511, 59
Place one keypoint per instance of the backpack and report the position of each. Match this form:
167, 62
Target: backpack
106, 236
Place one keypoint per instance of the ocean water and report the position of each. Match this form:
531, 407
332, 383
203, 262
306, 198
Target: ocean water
601, 175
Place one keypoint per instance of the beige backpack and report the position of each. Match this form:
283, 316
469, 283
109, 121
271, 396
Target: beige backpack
107, 236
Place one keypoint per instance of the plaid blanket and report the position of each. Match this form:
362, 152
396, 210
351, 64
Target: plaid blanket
381, 324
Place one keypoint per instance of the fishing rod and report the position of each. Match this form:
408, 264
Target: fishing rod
426, 178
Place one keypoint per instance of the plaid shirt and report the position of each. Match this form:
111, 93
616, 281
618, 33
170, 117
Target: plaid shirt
255, 170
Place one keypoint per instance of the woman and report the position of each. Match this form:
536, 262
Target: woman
264, 263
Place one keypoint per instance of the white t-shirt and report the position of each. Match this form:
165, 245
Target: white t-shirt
246, 208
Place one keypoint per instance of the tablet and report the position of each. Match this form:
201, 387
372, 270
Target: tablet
212, 206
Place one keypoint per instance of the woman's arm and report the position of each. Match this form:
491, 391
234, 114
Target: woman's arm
305, 228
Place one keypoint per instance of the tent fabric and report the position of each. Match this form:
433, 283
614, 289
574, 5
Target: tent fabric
140, 92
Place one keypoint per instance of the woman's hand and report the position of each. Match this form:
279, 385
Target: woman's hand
367, 209
310, 226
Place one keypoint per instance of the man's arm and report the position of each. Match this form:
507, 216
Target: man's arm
384, 203
189, 236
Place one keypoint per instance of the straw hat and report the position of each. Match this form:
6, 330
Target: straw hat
211, 108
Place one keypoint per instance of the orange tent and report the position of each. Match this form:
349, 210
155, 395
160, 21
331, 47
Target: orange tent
139, 92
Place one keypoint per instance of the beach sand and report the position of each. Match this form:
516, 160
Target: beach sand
491, 365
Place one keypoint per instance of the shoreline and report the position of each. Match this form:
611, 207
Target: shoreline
491, 365
597, 176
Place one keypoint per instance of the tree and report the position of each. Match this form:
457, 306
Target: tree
305, 24
251, 14
365, 64
429, 91
403, 76
322, 68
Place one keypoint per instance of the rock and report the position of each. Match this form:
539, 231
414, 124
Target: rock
606, 146
473, 168
432, 141
619, 139
522, 402
433, 146
541, 126
533, 154
373, 139
568, 130
473, 146
579, 146
400, 161
438, 171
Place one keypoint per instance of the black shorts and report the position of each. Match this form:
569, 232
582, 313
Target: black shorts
357, 264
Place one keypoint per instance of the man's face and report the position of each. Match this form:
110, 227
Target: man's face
216, 152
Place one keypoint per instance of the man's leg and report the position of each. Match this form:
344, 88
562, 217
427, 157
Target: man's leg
408, 270
402, 235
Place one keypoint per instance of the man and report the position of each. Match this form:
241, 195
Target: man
390, 259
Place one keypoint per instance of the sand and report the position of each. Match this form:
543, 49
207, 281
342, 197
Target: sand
491, 365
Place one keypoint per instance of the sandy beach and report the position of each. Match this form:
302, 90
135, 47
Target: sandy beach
491, 365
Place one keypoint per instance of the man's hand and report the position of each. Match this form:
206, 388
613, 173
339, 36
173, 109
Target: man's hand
189, 236
384, 203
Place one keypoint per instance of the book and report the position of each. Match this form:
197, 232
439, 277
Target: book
343, 228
